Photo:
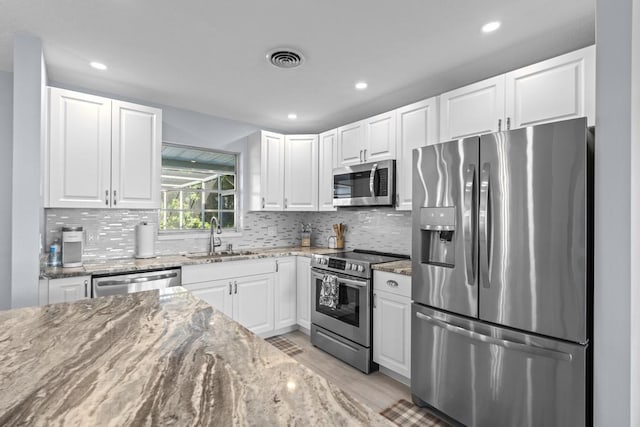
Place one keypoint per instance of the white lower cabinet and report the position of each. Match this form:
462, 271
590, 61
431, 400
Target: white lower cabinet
69, 289
392, 322
285, 292
303, 285
243, 290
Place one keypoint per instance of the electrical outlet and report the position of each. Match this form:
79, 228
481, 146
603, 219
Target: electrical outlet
272, 231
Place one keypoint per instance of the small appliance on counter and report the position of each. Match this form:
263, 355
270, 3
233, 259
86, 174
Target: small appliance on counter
306, 236
145, 240
72, 238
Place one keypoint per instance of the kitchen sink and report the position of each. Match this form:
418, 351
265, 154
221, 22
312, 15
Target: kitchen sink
220, 254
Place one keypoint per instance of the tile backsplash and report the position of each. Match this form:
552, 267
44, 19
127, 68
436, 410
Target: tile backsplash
110, 233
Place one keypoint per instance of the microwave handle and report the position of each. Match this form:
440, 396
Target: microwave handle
372, 177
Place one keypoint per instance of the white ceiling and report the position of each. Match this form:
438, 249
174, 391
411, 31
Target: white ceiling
209, 55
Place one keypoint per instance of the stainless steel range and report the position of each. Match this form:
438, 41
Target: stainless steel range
341, 293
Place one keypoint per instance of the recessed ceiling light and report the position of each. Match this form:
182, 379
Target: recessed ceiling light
292, 116
98, 65
490, 27
361, 85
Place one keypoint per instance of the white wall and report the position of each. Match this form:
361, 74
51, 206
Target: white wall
29, 79
6, 148
617, 215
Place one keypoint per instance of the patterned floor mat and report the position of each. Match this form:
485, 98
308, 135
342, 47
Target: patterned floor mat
406, 414
281, 343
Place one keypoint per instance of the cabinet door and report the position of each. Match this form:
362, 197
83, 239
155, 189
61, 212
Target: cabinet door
472, 110
351, 144
301, 173
136, 156
217, 293
253, 303
557, 89
69, 289
392, 332
303, 284
272, 171
327, 161
380, 137
285, 292
417, 126
78, 150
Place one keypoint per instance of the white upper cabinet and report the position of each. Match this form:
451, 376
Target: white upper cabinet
327, 161
556, 89
136, 156
380, 137
559, 88
472, 110
301, 173
368, 140
102, 153
78, 150
417, 126
351, 144
272, 171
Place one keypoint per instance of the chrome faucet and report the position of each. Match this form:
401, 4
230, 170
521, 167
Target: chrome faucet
214, 241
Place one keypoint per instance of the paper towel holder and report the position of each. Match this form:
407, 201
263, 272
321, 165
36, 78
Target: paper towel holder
145, 240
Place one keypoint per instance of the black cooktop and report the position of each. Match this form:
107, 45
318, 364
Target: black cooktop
371, 257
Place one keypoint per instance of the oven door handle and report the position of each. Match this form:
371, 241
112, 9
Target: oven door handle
349, 282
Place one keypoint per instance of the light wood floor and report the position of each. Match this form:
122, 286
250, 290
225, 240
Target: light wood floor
376, 390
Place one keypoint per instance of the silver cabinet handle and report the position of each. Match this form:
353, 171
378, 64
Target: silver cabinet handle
263, 203
499, 125
374, 301
235, 287
115, 201
230, 287
276, 266
86, 287
106, 197
365, 154
484, 219
392, 283
508, 123
511, 345
468, 229
398, 199
285, 203
372, 177
360, 156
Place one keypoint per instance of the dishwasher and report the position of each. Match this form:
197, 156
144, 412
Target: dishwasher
135, 282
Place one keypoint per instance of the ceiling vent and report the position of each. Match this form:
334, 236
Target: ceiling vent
285, 58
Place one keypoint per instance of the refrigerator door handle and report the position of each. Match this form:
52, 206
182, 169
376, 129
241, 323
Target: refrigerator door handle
510, 345
469, 187
485, 242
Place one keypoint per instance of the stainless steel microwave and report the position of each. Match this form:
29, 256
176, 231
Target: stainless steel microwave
367, 184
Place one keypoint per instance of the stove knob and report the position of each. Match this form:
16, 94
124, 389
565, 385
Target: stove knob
360, 268
324, 261
347, 266
354, 267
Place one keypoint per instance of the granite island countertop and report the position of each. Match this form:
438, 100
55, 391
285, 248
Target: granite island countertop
155, 358
115, 266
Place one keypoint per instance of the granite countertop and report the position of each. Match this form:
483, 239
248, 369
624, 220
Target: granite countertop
155, 358
398, 267
114, 266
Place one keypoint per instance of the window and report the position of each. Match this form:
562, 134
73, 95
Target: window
197, 184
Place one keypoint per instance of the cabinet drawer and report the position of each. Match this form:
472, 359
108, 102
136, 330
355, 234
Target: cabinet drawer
398, 284
227, 269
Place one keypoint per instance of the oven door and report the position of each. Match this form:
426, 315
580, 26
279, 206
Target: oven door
351, 318
369, 184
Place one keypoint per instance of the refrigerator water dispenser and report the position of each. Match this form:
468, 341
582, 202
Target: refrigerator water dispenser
437, 233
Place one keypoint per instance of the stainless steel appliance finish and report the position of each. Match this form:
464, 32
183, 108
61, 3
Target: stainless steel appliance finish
367, 184
346, 330
135, 282
484, 375
502, 236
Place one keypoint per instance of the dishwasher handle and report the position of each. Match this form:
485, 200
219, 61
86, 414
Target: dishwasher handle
136, 280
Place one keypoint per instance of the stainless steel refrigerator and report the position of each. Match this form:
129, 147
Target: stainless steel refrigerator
502, 276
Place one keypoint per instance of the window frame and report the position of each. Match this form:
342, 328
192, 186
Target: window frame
164, 234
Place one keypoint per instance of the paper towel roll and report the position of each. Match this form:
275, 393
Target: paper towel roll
145, 240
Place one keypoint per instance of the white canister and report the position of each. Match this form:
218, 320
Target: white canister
145, 240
